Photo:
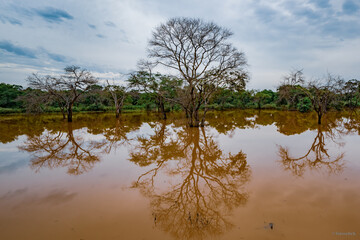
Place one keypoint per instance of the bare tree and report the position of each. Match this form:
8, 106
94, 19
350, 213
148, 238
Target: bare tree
119, 94
199, 52
295, 77
322, 93
66, 88
34, 100
291, 88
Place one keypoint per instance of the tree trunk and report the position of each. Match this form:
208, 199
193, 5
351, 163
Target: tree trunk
319, 117
63, 113
117, 110
69, 113
187, 115
190, 121
117, 113
259, 105
191, 118
62, 109
163, 112
202, 124
162, 108
195, 121
203, 117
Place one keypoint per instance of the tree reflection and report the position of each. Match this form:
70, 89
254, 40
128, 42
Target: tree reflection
352, 123
58, 144
227, 122
117, 133
204, 183
318, 156
61, 148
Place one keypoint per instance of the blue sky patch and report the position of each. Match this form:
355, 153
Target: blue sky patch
350, 7
92, 26
10, 20
57, 57
100, 36
20, 51
53, 14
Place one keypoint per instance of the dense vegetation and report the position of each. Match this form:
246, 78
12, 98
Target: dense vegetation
15, 98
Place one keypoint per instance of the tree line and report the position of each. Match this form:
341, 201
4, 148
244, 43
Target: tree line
149, 92
209, 73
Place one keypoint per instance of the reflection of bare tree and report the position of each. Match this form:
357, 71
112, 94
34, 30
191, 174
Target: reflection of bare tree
116, 134
62, 149
317, 157
205, 183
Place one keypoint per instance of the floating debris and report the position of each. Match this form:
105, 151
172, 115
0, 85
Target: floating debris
271, 225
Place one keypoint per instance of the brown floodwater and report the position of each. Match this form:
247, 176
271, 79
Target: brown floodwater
246, 175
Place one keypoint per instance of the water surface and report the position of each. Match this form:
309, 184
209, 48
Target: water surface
246, 175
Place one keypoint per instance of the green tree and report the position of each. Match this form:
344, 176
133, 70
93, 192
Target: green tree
290, 90
352, 93
160, 87
9, 94
118, 94
304, 105
264, 97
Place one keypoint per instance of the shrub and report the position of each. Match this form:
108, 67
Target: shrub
269, 106
338, 105
304, 105
10, 110
95, 107
251, 105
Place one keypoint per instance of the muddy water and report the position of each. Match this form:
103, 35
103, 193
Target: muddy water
246, 175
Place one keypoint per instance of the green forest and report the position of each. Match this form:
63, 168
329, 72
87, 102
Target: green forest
145, 92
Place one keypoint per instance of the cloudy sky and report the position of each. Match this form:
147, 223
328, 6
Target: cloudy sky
108, 37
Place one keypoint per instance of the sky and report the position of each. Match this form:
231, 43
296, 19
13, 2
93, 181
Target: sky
109, 37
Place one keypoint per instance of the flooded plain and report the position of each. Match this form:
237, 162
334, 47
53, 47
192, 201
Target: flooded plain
246, 175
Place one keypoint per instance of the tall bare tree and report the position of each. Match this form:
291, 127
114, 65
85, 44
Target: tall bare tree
118, 94
200, 53
66, 88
